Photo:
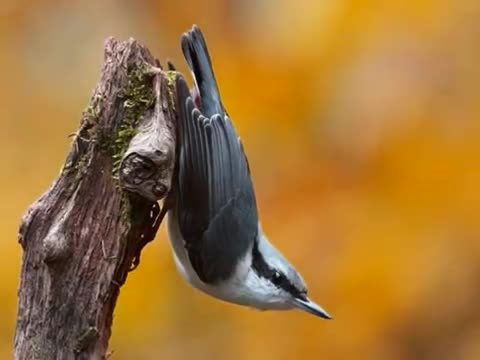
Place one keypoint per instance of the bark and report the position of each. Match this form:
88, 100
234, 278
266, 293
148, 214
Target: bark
83, 236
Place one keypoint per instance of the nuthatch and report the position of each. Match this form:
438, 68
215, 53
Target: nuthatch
213, 226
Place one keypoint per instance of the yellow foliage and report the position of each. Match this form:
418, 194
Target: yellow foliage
361, 122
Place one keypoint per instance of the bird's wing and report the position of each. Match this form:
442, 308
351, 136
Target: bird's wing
216, 205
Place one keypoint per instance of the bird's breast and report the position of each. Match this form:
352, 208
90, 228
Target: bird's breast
233, 289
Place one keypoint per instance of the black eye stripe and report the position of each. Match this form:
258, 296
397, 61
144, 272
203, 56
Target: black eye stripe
278, 279
283, 283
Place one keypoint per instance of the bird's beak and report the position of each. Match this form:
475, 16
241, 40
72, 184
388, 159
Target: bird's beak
309, 306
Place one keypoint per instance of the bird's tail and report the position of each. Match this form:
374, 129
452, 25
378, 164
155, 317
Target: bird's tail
196, 53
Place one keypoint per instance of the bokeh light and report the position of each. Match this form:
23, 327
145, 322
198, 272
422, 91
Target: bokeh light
361, 120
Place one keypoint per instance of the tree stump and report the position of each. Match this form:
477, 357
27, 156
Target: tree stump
83, 236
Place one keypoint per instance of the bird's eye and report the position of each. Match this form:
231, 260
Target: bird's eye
276, 277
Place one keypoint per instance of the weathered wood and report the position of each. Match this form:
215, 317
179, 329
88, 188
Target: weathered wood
83, 236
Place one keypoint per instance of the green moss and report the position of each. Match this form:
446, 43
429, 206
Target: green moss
90, 114
90, 120
86, 134
171, 77
137, 97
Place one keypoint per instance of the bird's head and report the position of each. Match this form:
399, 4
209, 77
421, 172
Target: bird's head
275, 283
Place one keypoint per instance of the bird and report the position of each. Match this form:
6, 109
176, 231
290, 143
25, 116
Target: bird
213, 223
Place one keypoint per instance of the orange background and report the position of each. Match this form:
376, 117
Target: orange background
361, 120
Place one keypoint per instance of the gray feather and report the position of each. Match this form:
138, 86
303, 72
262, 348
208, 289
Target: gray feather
215, 198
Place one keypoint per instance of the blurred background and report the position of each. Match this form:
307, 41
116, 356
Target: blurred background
361, 120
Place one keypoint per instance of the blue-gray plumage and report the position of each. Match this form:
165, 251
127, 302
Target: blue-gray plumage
218, 244
216, 206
